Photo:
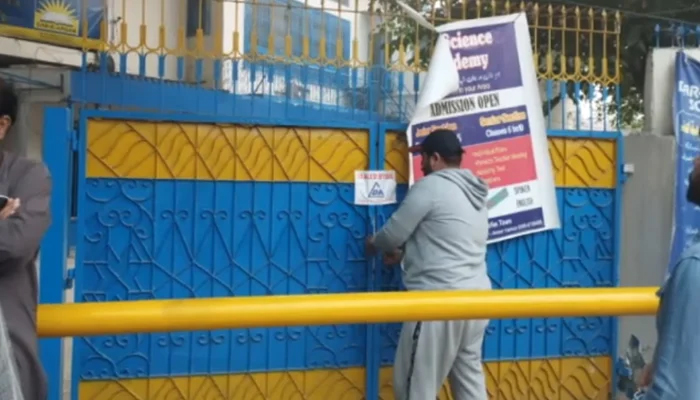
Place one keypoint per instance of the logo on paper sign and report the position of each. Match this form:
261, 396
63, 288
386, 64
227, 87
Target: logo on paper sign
56, 16
375, 188
376, 192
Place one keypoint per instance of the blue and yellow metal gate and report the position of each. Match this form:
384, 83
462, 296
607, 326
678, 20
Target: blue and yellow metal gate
224, 193
174, 206
183, 208
545, 358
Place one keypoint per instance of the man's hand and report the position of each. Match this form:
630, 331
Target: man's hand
393, 257
370, 249
9, 209
645, 377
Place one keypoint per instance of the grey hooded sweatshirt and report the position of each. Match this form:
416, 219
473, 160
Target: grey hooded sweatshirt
442, 224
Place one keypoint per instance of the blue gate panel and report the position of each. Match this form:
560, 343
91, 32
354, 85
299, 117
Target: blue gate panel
220, 352
578, 255
148, 239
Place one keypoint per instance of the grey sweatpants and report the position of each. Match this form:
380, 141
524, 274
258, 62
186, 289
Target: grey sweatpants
430, 352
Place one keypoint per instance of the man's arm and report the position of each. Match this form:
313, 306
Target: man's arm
21, 233
676, 361
416, 205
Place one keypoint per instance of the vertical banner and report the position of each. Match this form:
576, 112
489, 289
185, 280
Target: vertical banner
686, 124
485, 88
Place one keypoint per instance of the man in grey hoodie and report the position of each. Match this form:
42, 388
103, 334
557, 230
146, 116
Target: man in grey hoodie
442, 227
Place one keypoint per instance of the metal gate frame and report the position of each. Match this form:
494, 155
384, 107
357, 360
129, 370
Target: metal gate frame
60, 142
58, 149
77, 141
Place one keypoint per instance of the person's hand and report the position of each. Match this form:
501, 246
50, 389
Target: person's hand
645, 377
370, 249
393, 257
9, 209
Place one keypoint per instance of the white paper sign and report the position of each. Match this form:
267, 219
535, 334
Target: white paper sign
375, 188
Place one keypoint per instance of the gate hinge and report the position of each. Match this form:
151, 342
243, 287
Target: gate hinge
74, 140
70, 278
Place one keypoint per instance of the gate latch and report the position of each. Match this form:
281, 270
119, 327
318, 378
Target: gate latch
70, 278
627, 170
74, 140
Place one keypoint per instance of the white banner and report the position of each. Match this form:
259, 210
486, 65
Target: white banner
482, 84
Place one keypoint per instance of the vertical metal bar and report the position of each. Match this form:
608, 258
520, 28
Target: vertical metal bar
80, 181
549, 94
57, 154
617, 229
373, 346
142, 47
288, 56
578, 97
604, 112
563, 96
181, 43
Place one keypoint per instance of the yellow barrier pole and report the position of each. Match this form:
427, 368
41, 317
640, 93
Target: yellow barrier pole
87, 319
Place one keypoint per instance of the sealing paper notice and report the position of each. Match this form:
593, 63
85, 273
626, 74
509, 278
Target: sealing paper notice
375, 188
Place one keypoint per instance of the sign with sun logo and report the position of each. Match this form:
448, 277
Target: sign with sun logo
59, 22
57, 16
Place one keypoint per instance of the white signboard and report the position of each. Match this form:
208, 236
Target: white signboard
375, 188
481, 83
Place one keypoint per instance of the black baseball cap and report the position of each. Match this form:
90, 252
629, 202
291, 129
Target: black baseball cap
442, 141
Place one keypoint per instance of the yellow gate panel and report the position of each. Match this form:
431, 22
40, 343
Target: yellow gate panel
396, 155
169, 150
579, 162
559, 378
576, 162
344, 384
